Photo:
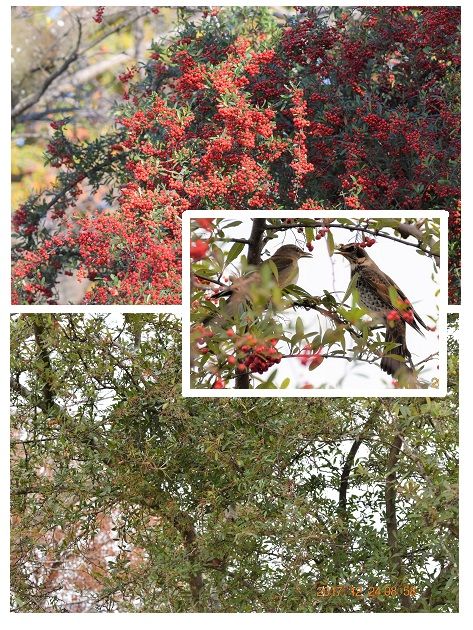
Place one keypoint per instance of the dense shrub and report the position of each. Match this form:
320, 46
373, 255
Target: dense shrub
354, 109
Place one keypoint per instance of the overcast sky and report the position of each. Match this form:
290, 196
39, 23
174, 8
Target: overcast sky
413, 273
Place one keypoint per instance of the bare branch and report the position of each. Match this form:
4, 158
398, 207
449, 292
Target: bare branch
31, 100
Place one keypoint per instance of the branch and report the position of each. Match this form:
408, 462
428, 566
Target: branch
343, 489
95, 169
48, 397
45, 113
232, 240
82, 75
184, 525
29, 101
114, 30
354, 228
391, 517
255, 242
255, 245
343, 535
222, 284
86, 74
335, 356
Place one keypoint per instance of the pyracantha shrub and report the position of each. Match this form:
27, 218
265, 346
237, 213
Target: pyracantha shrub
356, 108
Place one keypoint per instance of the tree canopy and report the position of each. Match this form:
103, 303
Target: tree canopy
128, 497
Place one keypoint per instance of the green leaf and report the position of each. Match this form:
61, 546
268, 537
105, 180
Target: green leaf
300, 331
330, 243
350, 288
219, 257
232, 224
266, 385
394, 297
333, 335
309, 234
269, 263
234, 252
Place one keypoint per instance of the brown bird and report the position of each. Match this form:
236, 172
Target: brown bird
373, 287
286, 263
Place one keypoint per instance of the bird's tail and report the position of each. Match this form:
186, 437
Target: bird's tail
402, 370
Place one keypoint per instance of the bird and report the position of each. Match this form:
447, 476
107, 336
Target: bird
283, 265
373, 287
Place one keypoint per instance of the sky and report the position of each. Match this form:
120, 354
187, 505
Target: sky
413, 273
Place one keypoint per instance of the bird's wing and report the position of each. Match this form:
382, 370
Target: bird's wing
381, 283
287, 269
281, 262
242, 284
237, 284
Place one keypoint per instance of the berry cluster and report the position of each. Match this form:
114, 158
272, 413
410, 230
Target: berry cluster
309, 357
98, 17
321, 232
367, 242
253, 354
359, 114
199, 249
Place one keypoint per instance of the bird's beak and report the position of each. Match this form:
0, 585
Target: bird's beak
306, 255
337, 251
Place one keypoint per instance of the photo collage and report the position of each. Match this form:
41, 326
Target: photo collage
235, 309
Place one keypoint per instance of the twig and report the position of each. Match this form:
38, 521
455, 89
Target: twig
352, 228
308, 305
222, 284
29, 101
233, 240
95, 169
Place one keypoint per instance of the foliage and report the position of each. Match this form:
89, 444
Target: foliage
357, 108
227, 347
128, 497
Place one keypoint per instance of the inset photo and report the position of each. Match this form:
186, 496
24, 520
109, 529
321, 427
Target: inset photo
298, 304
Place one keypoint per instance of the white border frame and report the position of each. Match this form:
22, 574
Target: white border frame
440, 392
262, 620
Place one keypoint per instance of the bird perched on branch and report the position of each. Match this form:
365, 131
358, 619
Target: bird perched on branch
283, 266
386, 302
